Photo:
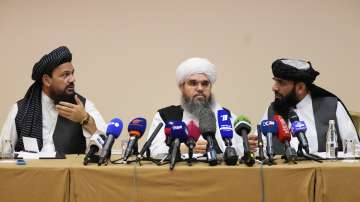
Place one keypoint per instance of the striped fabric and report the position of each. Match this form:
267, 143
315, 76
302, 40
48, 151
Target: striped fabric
28, 120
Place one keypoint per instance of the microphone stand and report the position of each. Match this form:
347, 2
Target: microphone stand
261, 156
269, 161
290, 154
91, 159
307, 154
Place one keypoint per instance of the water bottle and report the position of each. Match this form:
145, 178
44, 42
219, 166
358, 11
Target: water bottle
331, 141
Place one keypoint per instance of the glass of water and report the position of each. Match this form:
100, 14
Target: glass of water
357, 149
123, 145
349, 149
7, 151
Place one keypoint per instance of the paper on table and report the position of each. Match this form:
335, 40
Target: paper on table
40, 155
7, 161
30, 144
340, 155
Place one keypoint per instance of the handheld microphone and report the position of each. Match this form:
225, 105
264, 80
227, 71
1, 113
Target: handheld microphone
178, 135
284, 137
243, 127
260, 143
136, 129
113, 131
146, 147
226, 131
269, 129
96, 143
298, 129
207, 125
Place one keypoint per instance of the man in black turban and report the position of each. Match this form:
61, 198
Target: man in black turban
294, 90
51, 112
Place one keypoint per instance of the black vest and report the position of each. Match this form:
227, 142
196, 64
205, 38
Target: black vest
175, 113
68, 136
324, 110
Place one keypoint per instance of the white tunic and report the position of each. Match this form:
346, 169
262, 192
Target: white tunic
158, 146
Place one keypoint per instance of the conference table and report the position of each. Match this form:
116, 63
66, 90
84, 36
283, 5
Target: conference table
69, 180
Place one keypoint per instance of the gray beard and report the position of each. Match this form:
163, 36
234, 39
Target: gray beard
197, 108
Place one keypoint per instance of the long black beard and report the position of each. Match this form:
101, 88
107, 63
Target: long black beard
62, 96
196, 108
282, 105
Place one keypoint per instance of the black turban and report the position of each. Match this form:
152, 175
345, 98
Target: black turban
294, 70
50, 61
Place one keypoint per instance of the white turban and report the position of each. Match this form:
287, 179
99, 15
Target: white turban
195, 66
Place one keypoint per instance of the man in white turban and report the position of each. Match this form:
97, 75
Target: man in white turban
195, 78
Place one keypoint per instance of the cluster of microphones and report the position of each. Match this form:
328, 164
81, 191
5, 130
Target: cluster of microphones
178, 132
278, 127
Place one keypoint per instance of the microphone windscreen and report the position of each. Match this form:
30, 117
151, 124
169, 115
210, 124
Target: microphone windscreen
283, 129
114, 127
298, 126
224, 123
207, 121
179, 130
137, 127
193, 130
293, 116
167, 128
242, 122
269, 126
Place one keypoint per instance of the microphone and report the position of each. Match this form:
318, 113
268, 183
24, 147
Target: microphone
225, 127
167, 132
136, 130
146, 147
269, 129
226, 131
193, 136
260, 143
96, 143
298, 129
284, 137
207, 125
178, 134
113, 131
243, 128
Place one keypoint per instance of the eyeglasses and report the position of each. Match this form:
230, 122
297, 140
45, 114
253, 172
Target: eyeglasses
195, 83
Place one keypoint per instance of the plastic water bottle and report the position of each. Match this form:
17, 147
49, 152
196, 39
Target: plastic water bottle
331, 141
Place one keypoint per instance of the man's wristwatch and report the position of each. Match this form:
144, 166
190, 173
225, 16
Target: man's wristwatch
85, 119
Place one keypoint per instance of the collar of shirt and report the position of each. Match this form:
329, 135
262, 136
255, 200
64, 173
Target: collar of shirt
46, 101
305, 112
304, 102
